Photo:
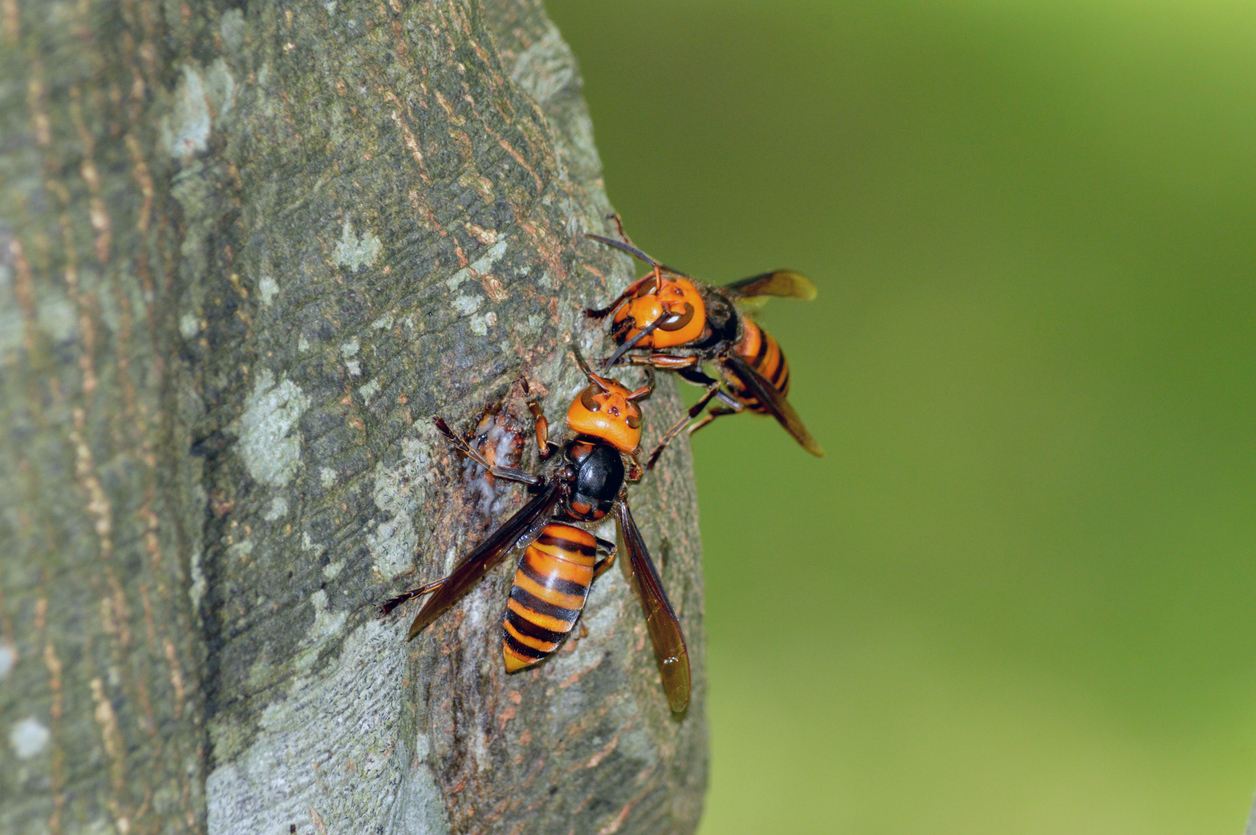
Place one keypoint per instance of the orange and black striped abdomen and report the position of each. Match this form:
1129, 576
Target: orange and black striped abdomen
551, 585
762, 353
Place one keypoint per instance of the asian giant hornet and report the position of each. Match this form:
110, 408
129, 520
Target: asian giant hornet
559, 561
676, 323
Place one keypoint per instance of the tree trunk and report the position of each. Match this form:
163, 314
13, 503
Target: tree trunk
245, 255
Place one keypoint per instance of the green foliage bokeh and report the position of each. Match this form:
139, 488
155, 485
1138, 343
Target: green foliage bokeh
1017, 595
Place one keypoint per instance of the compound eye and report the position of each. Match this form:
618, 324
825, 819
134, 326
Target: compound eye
587, 400
678, 320
634, 418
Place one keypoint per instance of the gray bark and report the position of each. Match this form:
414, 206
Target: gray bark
245, 255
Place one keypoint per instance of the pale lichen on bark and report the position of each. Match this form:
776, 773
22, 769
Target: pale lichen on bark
244, 256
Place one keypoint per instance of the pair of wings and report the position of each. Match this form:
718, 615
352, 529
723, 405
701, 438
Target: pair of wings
752, 292
520, 530
785, 284
772, 400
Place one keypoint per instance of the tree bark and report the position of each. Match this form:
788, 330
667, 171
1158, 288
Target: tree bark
245, 255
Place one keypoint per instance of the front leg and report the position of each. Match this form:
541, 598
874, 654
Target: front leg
633, 289
635, 470
712, 390
508, 473
543, 445
666, 362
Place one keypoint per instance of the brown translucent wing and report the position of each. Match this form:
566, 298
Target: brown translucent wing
773, 401
516, 532
660, 618
782, 283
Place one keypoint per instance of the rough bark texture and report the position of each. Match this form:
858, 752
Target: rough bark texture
245, 254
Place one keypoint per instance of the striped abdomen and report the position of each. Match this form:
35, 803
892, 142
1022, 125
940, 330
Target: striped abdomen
763, 354
551, 585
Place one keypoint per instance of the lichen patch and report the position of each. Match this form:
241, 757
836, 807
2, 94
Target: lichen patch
28, 737
467, 304
185, 129
368, 390
277, 510
349, 350
357, 251
327, 624
269, 288
399, 492
481, 266
271, 451
199, 585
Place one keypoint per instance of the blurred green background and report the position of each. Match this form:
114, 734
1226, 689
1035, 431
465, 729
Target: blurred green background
1018, 594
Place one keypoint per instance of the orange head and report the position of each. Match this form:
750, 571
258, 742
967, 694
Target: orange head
666, 307
608, 411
